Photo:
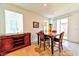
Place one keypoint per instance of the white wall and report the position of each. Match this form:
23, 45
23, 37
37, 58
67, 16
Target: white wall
29, 17
1, 21
74, 27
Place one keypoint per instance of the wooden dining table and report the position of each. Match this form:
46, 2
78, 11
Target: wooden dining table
51, 37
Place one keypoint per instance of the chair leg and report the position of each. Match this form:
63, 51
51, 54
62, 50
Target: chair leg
59, 48
44, 45
62, 46
48, 43
40, 44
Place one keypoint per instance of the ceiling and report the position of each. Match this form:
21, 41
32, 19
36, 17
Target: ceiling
51, 10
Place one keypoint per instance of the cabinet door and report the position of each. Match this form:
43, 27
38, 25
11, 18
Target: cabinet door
0, 47
7, 44
27, 39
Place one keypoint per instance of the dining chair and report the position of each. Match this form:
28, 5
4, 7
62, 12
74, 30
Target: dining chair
58, 39
43, 38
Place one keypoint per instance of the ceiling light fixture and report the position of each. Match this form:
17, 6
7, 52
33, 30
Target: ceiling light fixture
44, 4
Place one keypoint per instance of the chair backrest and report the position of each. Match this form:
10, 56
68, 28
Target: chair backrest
61, 35
54, 32
41, 35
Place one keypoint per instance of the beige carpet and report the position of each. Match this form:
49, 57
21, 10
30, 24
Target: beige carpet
34, 50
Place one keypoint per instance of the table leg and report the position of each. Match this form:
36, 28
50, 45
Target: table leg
52, 46
38, 39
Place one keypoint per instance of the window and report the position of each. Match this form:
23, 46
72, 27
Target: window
62, 25
13, 22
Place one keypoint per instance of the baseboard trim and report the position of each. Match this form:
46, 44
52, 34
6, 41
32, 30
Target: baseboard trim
72, 41
34, 42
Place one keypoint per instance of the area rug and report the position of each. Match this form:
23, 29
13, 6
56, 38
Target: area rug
47, 51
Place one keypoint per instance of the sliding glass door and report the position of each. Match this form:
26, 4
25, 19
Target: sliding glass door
62, 25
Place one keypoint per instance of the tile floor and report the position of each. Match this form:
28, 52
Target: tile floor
73, 47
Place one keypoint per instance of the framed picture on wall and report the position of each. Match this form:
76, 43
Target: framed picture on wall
35, 24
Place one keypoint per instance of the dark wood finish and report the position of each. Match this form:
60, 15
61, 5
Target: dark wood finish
50, 38
42, 39
54, 39
59, 40
0, 46
14, 42
38, 37
52, 44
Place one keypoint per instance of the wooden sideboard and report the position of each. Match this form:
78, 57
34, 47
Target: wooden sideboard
13, 42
